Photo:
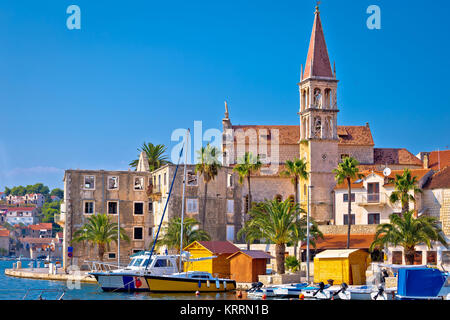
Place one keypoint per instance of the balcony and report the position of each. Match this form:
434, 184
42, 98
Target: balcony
154, 192
372, 199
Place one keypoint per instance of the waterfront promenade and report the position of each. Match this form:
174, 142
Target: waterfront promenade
43, 274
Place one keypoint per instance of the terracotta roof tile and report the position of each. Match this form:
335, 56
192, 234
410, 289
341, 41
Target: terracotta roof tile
40, 226
439, 180
255, 254
439, 159
339, 241
355, 135
219, 247
395, 156
4, 233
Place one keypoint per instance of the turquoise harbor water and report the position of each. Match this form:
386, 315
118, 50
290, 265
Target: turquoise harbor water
12, 288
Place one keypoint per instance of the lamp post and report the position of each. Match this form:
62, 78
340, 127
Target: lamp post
307, 234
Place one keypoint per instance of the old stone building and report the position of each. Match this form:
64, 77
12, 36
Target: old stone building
318, 139
119, 194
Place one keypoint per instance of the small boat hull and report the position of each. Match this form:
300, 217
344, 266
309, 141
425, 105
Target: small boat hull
179, 284
121, 282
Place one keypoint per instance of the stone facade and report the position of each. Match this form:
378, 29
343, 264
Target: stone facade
119, 194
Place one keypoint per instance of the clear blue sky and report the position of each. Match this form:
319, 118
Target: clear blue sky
137, 70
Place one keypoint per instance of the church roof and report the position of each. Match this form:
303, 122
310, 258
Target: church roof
355, 135
317, 61
395, 156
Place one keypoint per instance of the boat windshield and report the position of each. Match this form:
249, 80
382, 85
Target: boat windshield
138, 262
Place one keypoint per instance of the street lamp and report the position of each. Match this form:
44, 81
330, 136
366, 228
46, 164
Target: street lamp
307, 234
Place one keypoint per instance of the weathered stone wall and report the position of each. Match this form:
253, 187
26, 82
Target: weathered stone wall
342, 229
445, 211
75, 195
364, 154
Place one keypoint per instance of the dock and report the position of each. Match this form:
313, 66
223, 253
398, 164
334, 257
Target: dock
43, 274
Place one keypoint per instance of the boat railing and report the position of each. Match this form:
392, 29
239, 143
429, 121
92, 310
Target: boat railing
99, 266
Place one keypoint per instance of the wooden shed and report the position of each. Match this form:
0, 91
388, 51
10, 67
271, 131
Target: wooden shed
247, 265
347, 266
219, 266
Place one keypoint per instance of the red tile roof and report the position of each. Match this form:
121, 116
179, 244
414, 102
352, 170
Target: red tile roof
355, 135
317, 61
13, 209
439, 159
254, 254
4, 233
40, 226
439, 180
339, 241
219, 247
395, 156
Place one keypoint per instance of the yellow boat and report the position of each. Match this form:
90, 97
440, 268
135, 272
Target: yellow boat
190, 281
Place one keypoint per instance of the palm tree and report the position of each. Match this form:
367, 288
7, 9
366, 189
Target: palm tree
172, 233
403, 185
296, 170
208, 166
407, 231
155, 155
276, 222
348, 170
99, 231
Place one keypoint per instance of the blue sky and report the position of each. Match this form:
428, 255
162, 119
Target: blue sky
137, 70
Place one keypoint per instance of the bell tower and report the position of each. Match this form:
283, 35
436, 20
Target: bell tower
318, 125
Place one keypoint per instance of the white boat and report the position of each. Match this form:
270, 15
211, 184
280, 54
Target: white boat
365, 292
258, 290
289, 290
132, 277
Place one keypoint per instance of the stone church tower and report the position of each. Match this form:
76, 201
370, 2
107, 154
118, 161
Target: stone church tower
318, 125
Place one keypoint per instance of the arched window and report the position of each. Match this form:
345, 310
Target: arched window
278, 197
291, 198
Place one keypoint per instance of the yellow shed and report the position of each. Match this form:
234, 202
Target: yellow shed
347, 266
219, 266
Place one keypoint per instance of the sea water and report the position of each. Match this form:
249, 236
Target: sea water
13, 288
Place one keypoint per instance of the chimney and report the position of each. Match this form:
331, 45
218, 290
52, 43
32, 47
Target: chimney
367, 124
426, 160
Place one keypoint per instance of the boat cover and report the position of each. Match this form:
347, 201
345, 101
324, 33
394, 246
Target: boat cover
419, 282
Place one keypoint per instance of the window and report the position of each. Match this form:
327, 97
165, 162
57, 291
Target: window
278, 197
138, 234
112, 207
397, 257
137, 250
138, 183
165, 179
88, 207
432, 257
191, 178
150, 232
150, 207
346, 219
230, 233
192, 205
161, 263
344, 155
230, 206
345, 197
89, 182
373, 192
445, 257
138, 208
229, 180
418, 258
113, 183
111, 255
373, 218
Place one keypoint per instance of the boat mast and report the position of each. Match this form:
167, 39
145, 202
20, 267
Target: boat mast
182, 199
165, 207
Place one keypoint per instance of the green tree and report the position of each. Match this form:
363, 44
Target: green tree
171, 234
291, 263
18, 191
57, 192
347, 171
7, 191
296, 170
276, 222
404, 184
155, 155
100, 232
208, 166
49, 210
408, 232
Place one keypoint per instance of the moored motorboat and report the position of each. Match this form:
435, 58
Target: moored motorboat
191, 281
364, 292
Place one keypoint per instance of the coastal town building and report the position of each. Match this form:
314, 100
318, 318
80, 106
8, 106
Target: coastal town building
5, 241
318, 139
21, 215
36, 199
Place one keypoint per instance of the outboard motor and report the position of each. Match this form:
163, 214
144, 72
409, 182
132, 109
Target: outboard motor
255, 286
380, 293
321, 287
384, 275
343, 288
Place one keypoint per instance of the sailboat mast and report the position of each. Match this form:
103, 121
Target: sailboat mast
182, 199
